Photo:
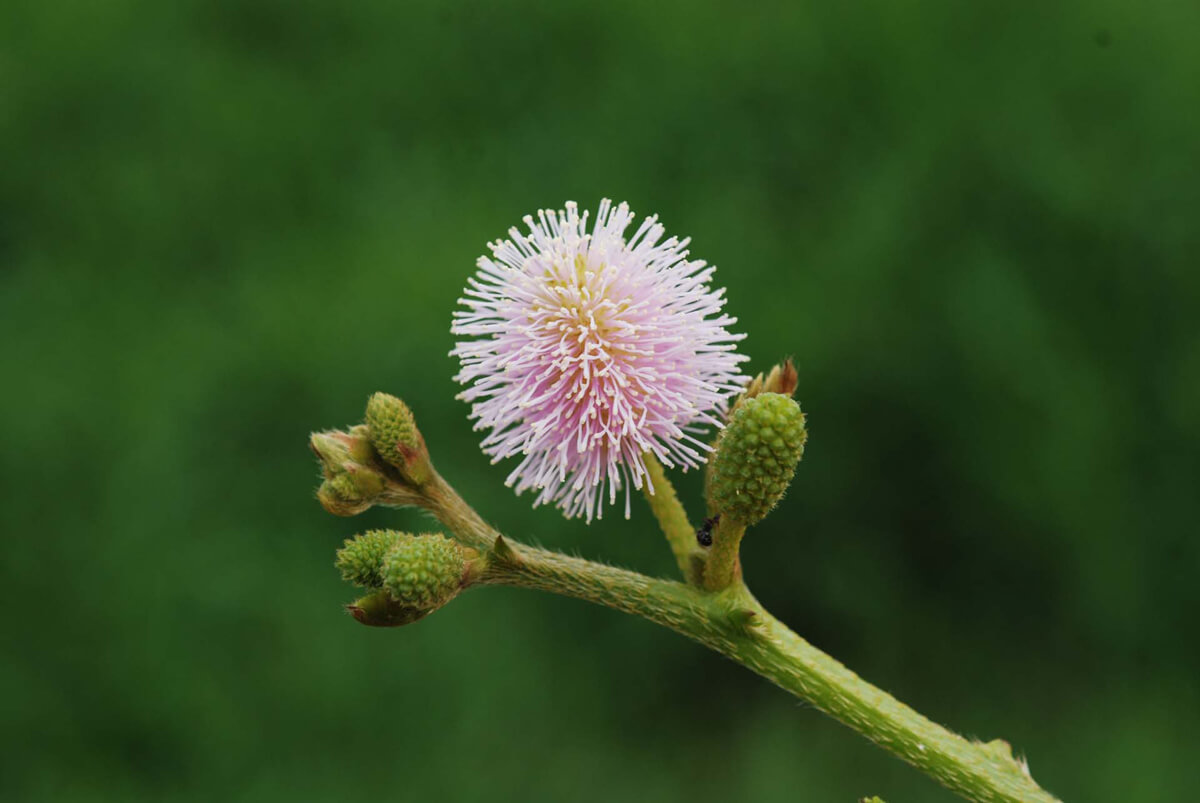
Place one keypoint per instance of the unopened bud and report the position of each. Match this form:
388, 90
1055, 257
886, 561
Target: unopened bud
756, 457
394, 434
415, 574
352, 481
425, 571
340, 497
352, 490
360, 560
332, 449
380, 609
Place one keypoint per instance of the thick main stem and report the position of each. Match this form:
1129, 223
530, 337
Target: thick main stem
981, 772
733, 623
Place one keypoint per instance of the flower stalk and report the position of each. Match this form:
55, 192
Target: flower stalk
673, 520
724, 566
738, 627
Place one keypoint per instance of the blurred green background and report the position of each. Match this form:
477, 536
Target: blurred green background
223, 223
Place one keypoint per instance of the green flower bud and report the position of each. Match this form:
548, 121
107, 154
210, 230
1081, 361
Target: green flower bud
336, 448
394, 434
414, 574
756, 457
341, 497
351, 490
380, 609
360, 560
425, 571
332, 449
358, 440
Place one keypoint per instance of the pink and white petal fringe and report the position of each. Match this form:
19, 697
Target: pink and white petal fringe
589, 350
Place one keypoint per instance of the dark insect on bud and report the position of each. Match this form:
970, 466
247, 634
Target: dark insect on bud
704, 534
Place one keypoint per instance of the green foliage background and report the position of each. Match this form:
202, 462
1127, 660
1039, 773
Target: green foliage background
223, 223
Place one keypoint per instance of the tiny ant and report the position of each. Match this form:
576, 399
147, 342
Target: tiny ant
704, 534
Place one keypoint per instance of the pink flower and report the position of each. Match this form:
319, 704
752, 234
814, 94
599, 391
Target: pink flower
592, 350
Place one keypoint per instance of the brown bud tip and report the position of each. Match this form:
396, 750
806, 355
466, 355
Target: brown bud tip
358, 613
782, 379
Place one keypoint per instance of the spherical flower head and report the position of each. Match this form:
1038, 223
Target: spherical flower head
590, 349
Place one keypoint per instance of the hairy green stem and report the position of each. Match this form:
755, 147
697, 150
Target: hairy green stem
723, 568
736, 625
439, 498
672, 518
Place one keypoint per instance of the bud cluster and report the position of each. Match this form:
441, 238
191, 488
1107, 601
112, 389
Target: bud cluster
410, 575
359, 464
393, 432
352, 480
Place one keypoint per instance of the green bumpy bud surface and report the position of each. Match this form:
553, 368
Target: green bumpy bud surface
394, 434
756, 457
361, 559
343, 488
424, 571
341, 497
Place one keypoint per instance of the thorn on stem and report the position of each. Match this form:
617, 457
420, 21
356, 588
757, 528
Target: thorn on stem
503, 553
